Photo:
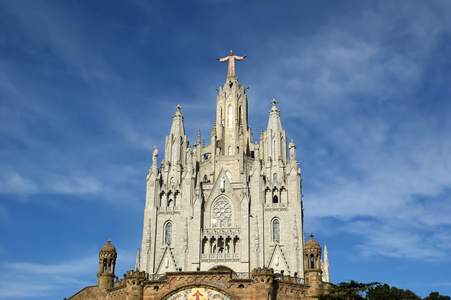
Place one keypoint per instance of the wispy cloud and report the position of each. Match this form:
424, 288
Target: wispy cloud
44, 279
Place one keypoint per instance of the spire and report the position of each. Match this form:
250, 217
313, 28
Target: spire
274, 123
137, 261
178, 128
325, 266
198, 137
326, 254
177, 141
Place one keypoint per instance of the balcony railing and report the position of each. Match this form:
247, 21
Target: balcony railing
220, 256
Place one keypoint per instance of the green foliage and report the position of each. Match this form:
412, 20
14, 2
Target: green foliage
382, 292
354, 290
436, 296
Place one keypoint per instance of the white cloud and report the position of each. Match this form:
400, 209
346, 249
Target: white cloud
43, 279
13, 182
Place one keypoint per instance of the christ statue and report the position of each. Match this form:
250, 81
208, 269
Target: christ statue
231, 59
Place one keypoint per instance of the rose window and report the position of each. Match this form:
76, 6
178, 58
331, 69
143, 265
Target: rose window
222, 213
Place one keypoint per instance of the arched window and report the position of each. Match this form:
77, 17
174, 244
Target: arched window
275, 199
230, 116
275, 176
275, 230
170, 201
168, 233
239, 116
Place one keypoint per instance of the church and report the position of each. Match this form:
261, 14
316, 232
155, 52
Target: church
224, 220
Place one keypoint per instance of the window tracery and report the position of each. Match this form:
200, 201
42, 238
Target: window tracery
222, 213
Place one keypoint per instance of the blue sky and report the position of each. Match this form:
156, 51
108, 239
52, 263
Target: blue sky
88, 88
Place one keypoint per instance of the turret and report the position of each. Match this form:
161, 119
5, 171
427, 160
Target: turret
107, 263
312, 266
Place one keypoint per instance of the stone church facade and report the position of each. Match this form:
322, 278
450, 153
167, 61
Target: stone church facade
224, 220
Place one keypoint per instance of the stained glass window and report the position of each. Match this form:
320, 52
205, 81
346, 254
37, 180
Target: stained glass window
168, 233
275, 231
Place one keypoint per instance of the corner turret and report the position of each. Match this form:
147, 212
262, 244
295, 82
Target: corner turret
312, 267
107, 263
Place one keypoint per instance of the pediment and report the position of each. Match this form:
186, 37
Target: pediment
277, 260
222, 186
167, 262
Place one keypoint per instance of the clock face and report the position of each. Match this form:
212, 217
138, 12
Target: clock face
198, 294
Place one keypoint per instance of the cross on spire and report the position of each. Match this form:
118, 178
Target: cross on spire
109, 241
274, 101
311, 236
178, 107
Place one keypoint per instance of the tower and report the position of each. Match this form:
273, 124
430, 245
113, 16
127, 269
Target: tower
107, 263
233, 204
312, 263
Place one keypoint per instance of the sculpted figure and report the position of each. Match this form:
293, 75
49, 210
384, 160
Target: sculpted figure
231, 59
155, 156
256, 151
189, 155
292, 148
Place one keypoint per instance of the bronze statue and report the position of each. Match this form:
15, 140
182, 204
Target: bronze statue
231, 59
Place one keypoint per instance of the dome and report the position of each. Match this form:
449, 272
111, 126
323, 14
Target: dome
108, 247
312, 243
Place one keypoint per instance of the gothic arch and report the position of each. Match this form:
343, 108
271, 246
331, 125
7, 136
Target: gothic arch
275, 230
163, 199
167, 233
275, 196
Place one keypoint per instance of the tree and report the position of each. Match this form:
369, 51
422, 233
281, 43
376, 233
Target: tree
382, 292
436, 296
352, 290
